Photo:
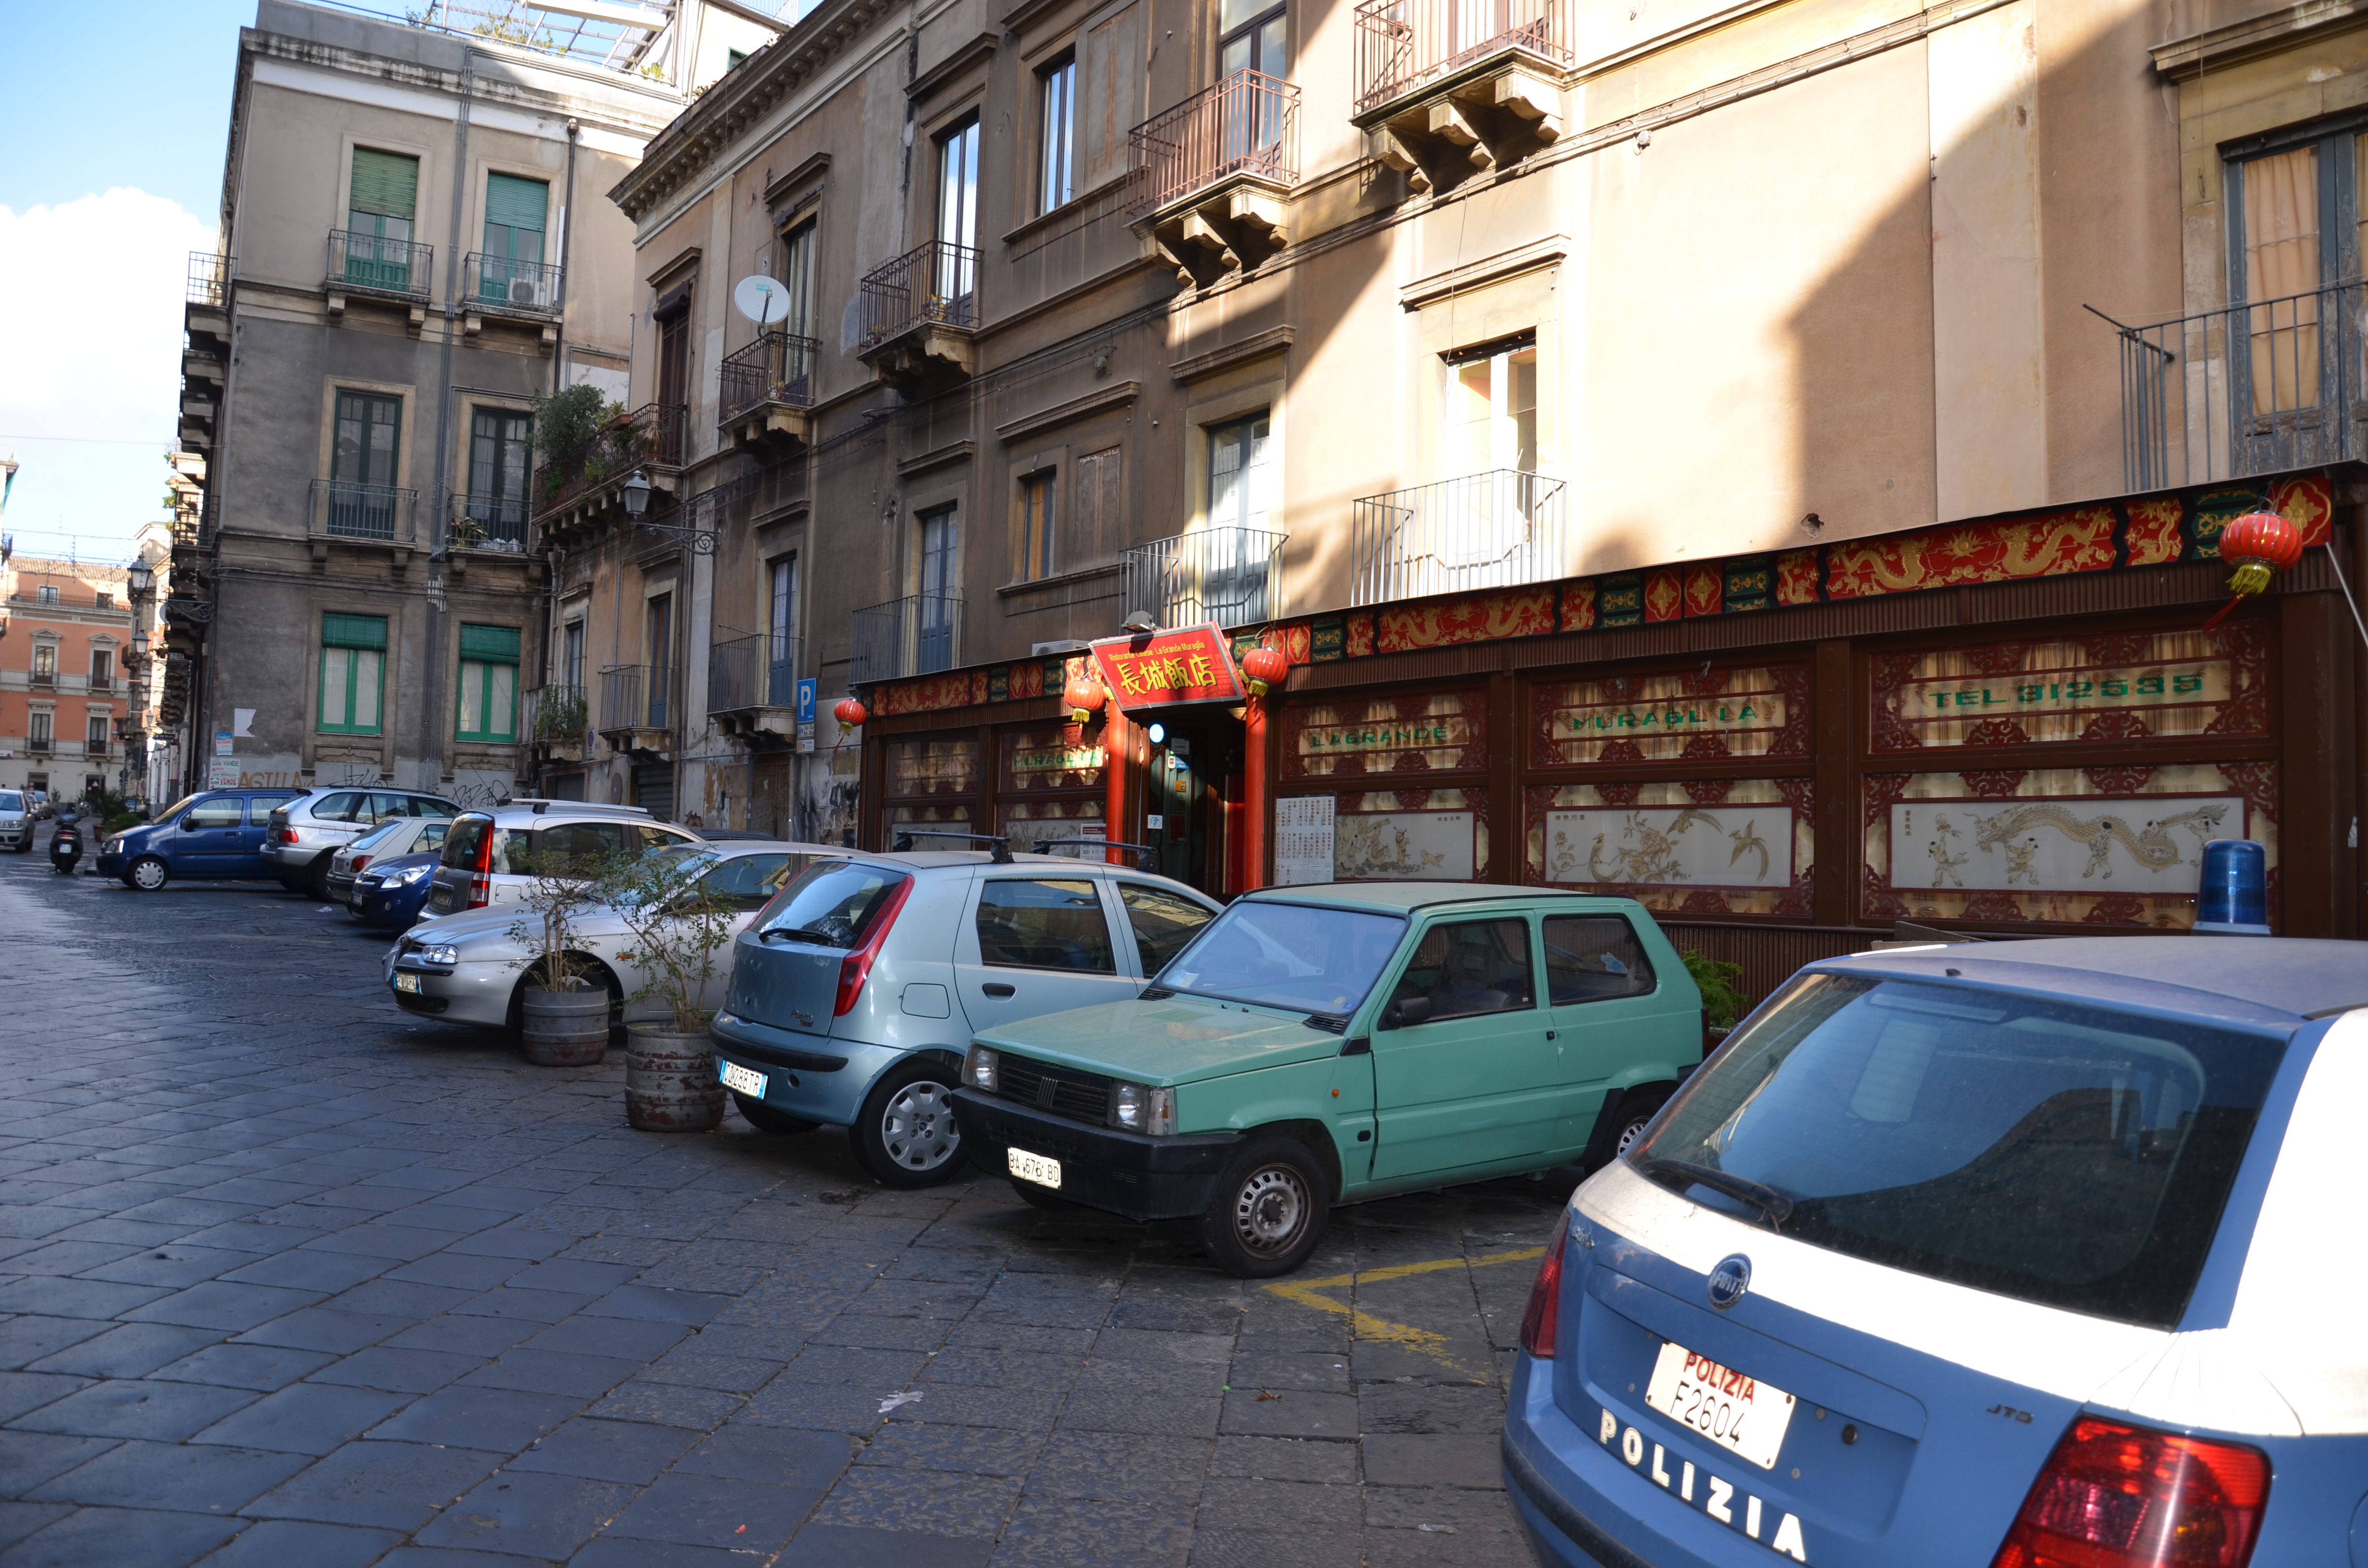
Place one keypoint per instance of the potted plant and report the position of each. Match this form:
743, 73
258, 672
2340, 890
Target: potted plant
675, 928
563, 1009
559, 724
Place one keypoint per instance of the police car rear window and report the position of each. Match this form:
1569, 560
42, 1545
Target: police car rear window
2069, 1156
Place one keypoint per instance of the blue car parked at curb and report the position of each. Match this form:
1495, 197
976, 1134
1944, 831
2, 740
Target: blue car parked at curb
211, 836
2028, 1256
389, 894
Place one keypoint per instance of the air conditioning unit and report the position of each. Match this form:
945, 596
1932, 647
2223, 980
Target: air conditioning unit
525, 292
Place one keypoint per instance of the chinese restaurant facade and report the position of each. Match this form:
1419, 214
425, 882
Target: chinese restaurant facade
2012, 726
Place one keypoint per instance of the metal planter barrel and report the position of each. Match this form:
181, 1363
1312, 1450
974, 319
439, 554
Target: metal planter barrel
670, 1082
564, 1029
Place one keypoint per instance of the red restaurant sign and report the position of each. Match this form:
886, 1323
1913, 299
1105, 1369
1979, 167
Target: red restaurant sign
1165, 668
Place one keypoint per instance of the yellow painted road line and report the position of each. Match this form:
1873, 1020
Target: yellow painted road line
1365, 1325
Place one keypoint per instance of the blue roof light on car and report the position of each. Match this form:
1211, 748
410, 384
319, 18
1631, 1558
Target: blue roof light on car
2234, 900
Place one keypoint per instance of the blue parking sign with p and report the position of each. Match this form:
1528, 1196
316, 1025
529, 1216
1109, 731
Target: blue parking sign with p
806, 700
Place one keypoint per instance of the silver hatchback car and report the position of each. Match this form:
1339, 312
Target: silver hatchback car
855, 993
475, 873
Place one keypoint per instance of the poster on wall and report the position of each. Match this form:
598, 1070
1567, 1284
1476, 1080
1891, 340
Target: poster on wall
1403, 847
2144, 844
1746, 846
1304, 840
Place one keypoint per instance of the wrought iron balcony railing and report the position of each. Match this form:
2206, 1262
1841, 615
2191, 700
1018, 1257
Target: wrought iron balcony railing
634, 696
381, 266
553, 714
1233, 577
1488, 530
777, 368
936, 282
758, 670
1405, 46
918, 635
341, 509
2246, 389
1249, 123
651, 434
209, 278
505, 283
489, 522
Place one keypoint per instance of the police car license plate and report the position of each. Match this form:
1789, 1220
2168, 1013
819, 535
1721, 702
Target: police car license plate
746, 1080
1740, 1414
408, 982
1034, 1168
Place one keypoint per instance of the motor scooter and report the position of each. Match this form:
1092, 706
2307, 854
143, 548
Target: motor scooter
65, 844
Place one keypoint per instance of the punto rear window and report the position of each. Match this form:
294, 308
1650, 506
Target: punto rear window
833, 903
2070, 1155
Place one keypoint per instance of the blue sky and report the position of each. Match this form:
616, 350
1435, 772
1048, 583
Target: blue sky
104, 194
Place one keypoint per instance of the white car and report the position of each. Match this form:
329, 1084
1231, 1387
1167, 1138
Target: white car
476, 873
15, 821
469, 968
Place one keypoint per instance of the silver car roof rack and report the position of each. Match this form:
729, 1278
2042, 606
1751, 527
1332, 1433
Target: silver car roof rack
1145, 852
999, 845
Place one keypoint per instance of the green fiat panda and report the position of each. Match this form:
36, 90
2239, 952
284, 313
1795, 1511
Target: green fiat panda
1330, 1044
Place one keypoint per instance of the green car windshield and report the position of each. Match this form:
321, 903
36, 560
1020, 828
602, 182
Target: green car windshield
1303, 958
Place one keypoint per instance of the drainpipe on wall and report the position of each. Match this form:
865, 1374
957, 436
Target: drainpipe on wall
431, 684
567, 249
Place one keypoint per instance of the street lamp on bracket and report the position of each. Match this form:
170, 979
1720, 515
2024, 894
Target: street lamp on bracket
637, 502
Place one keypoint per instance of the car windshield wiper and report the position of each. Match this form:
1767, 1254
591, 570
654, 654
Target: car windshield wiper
1685, 1172
808, 933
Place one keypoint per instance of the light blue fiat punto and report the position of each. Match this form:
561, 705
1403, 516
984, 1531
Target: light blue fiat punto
2033, 1256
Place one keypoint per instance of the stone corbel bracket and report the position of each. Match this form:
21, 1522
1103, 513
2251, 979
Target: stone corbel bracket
1483, 123
1231, 229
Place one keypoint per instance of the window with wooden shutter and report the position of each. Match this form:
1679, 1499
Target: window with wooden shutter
1098, 506
489, 666
515, 214
353, 674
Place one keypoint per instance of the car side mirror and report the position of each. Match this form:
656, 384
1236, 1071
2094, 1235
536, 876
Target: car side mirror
1408, 1010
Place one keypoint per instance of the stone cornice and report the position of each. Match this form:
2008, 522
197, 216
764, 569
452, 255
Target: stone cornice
2183, 60
686, 149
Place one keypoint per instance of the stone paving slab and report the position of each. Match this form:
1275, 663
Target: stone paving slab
288, 1275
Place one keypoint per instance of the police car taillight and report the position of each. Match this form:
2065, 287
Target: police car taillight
1544, 1313
2114, 1495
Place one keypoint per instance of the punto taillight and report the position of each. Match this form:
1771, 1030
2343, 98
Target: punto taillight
856, 968
2114, 1495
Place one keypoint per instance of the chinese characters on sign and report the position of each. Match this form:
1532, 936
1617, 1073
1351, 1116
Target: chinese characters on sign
1304, 840
1170, 667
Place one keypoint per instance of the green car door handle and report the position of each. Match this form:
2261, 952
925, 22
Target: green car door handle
1550, 1034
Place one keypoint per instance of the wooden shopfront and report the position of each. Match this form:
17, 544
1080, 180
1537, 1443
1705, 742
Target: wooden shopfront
2011, 727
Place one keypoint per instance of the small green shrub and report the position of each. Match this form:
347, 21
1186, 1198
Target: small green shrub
1724, 1002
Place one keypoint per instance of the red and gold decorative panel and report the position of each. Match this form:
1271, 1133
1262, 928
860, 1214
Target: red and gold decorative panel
1027, 680
1664, 594
1702, 847
2093, 847
1972, 552
1762, 711
1797, 577
933, 694
1579, 606
1055, 757
2156, 538
920, 769
1439, 732
2138, 685
1481, 618
1359, 638
1706, 588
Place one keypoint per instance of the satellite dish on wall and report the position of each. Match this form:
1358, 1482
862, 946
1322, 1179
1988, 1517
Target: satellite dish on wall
762, 300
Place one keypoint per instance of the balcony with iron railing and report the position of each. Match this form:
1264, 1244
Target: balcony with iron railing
371, 514
766, 388
490, 522
920, 314
1212, 176
2246, 389
1458, 88
555, 719
752, 685
376, 265
1498, 530
636, 708
501, 285
585, 484
1233, 577
209, 282
918, 635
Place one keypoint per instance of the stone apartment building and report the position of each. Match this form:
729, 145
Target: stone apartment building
414, 249
1534, 375
65, 628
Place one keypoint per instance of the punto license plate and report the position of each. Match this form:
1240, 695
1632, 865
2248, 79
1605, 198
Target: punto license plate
1035, 1169
1739, 1413
408, 982
745, 1079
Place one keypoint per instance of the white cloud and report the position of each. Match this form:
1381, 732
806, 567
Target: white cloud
90, 348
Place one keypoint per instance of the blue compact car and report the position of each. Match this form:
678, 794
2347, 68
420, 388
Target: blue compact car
389, 894
215, 835
2039, 1255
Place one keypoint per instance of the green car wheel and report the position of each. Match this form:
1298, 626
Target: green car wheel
1268, 1210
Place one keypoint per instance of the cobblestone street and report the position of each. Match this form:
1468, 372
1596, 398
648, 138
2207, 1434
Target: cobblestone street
293, 1279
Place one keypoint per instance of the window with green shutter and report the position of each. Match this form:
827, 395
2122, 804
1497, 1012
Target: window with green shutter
511, 271
353, 674
384, 195
489, 666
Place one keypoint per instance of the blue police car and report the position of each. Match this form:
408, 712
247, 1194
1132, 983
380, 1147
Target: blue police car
2040, 1254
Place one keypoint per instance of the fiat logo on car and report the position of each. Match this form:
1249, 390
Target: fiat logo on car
1729, 1281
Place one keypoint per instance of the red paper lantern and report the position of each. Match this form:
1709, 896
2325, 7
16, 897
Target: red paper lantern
2259, 544
850, 716
1263, 667
1083, 696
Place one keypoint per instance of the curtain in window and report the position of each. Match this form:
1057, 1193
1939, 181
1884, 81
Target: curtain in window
2282, 253
489, 660
353, 669
511, 271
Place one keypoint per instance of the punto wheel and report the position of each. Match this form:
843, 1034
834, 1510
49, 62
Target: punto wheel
147, 874
905, 1133
1268, 1210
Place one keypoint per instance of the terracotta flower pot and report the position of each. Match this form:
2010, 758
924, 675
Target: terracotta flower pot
564, 1029
670, 1082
